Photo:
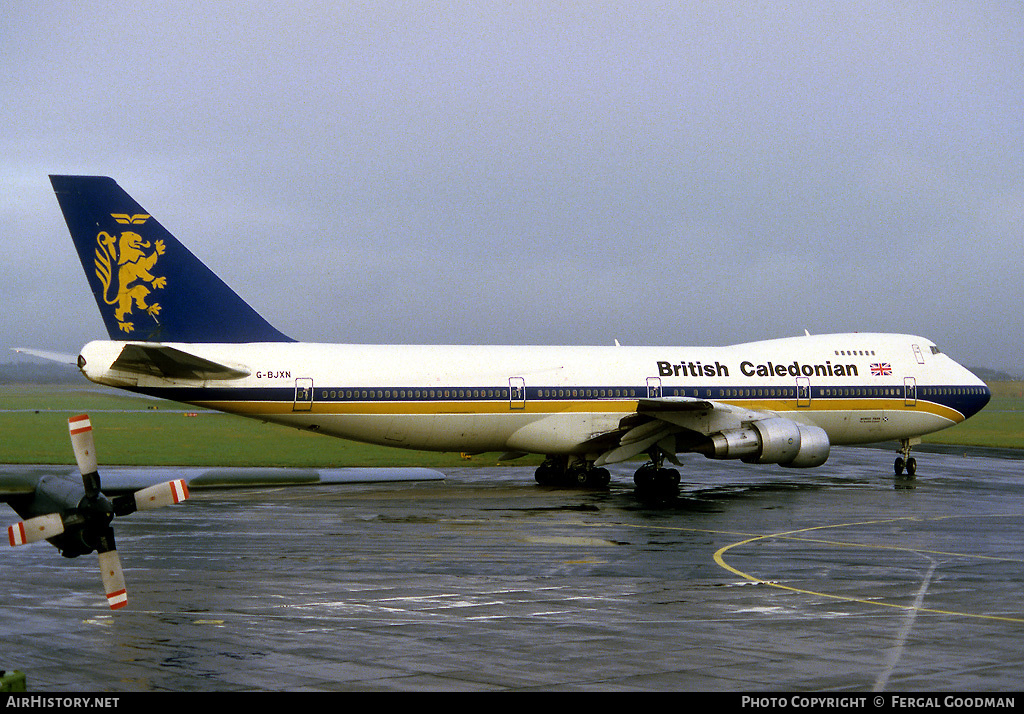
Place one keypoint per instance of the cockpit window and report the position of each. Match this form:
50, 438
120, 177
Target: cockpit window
936, 350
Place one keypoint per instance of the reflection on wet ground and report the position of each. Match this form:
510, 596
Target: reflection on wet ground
755, 578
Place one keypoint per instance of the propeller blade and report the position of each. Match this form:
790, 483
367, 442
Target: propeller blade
163, 494
113, 580
35, 529
80, 429
110, 571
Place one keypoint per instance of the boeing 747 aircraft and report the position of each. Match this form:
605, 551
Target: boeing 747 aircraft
179, 332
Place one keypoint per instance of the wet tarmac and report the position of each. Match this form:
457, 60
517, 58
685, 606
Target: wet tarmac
755, 579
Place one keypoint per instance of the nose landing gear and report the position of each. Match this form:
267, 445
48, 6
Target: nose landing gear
906, 462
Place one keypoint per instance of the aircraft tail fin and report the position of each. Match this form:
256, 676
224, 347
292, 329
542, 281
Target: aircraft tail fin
148, 286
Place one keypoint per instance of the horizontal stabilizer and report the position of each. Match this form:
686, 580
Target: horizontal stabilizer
47, 355
170, 363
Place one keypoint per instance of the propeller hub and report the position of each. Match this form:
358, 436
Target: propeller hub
83, 528
96, 510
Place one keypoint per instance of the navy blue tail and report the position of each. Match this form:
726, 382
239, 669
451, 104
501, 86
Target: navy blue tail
148, 286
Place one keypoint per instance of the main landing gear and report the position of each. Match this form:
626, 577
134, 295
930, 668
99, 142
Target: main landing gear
905, 461
654, 481
560, 471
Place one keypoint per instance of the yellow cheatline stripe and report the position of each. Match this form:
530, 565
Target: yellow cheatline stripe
438, 408
835, 404
551, 406
790, 535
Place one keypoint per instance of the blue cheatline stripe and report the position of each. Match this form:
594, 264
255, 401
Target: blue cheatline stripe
964, 400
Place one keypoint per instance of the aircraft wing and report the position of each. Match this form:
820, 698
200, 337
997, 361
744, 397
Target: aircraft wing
21, 480
18, 480
661, 421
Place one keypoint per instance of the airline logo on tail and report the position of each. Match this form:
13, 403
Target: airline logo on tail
138, 219
124, 265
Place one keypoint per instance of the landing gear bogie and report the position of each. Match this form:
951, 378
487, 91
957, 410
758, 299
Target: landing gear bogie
558, 471
550, 473
656, 482
595, 478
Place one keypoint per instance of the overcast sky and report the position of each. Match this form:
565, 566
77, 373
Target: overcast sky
538, 173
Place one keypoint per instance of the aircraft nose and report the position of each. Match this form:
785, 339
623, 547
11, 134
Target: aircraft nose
976, 400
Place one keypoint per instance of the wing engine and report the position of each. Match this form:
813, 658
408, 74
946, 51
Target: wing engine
774, 440
718, 431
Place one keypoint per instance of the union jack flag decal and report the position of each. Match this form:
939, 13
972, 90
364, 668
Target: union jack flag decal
881, 369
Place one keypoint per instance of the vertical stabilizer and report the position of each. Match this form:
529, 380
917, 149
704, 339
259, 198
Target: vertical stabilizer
148, 286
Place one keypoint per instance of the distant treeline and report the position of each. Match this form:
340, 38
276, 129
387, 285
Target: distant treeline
41, 373
994, 375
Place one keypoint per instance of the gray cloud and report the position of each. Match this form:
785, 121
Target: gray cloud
656, 173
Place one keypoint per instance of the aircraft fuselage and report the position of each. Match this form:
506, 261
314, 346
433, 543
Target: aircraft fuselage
858, 388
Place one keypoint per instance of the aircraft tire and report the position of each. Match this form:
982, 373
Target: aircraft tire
601, 477
547, 474
656, 483
585, 477
644, 477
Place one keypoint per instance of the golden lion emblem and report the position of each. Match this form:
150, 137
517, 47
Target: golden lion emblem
122, 265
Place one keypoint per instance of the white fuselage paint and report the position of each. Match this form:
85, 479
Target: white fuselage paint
858, 387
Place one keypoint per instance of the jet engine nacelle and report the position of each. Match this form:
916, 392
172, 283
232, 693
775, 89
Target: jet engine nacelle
775, 440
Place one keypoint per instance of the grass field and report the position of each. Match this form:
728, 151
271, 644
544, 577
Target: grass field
133, 430
1000, 424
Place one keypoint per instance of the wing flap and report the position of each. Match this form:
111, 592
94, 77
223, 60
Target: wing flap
629, 450
660, 421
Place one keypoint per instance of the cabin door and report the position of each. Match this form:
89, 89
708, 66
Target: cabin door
303, 395
516, 393
909, 391
803, 392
